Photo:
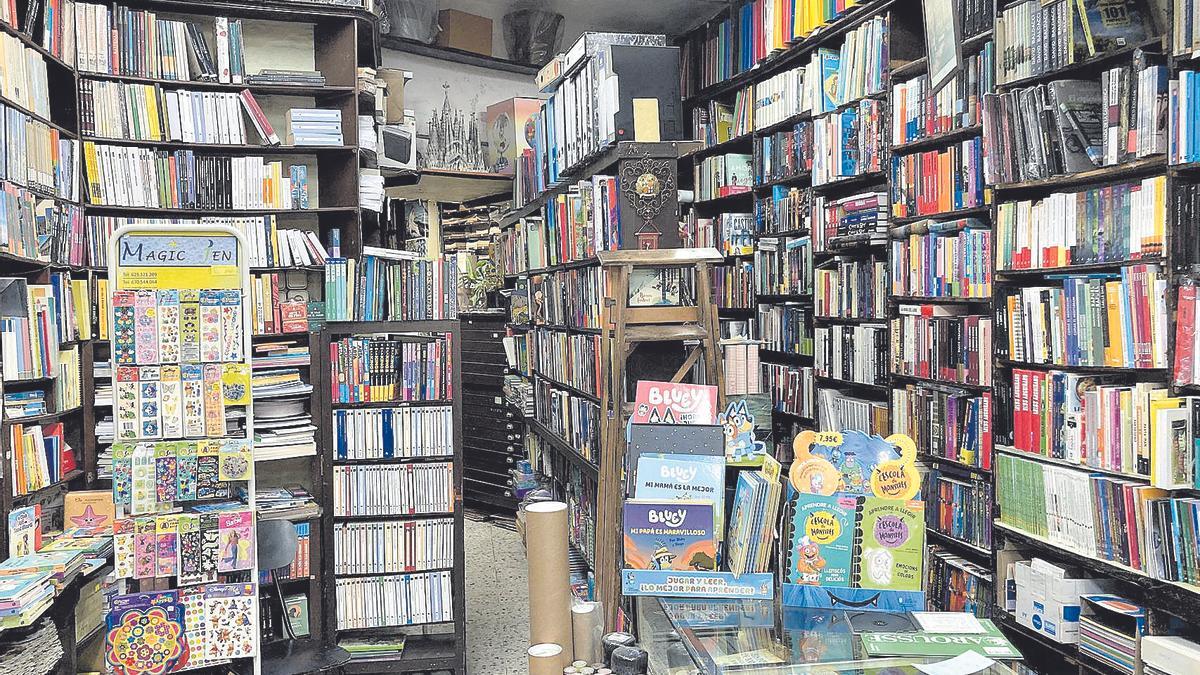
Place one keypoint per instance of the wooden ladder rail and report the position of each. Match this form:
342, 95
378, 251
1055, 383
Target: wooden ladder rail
626, 327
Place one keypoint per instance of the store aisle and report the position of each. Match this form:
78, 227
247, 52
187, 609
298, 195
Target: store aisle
497, 607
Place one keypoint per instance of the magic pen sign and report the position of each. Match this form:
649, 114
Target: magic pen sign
191, 260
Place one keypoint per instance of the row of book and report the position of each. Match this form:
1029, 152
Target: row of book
574, 419
577, 224
1183, 133
570, 360
786, 328
783, 266
1037, 37
720, 123
1085, 420
30, 341
851, 288
569, 298
393, 547
1120, 118
848, 143
784, 154
276, 308
393, 489
742, 365
39, 229
1097, 516
945, 422
918, 113
1112, 320
137, 177
722, 176
392, 286
733, 285
854, 353
792, 389
35, 155
192, 326
37, 456
268, 245
754, 31
849, 221
785, 210
943, 343
398, 368
400, 600
840, 410
958, 585
938, 181
960, 508
119, 40
72, 298
25, 82
1113, 223
393, 433
942, 259
147, 112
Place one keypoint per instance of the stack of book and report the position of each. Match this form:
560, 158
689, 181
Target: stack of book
849, 221
24, 403
24, 596
283, 429
295, 78
285, 503
314, 126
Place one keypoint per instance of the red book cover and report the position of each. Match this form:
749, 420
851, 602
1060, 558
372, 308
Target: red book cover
985, 431
1185, 334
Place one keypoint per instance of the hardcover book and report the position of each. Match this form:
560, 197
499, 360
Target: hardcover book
669, 535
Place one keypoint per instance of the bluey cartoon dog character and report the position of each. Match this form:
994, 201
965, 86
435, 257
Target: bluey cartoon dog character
740, 445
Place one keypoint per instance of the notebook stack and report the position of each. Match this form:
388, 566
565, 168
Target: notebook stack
314, 126
293, 78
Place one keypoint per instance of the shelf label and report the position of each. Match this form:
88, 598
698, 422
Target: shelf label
154, 250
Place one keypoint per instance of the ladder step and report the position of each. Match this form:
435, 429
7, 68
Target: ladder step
664, 333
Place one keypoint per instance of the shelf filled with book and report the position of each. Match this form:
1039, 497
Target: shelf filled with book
420, 463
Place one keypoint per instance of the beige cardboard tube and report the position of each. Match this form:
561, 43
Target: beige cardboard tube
549, 576
546, 659
587, 627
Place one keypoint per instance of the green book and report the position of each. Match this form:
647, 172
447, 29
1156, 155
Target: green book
297, 613
991, 643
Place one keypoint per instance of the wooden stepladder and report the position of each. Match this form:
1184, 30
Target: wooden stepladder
627, 327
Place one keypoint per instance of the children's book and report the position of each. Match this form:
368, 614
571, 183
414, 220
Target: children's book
891, 536
669, 535
664, 477
24, 530
674, 403
823, 529
89, 508
297, 613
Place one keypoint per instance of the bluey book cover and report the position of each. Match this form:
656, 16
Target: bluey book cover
24, 530
664, 476
669, 535
823, 529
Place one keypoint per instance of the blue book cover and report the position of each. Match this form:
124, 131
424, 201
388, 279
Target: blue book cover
823, 528
830, 64
669, 535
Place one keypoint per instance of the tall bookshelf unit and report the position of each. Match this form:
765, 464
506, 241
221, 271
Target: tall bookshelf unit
428, 645
331, 39
1167, 603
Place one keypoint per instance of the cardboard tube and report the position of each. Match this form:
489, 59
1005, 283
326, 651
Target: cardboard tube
546, 659
587, 627
549, 576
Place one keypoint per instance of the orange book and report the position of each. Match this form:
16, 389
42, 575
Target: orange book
1114, 347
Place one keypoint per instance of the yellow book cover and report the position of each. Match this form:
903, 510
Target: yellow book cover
1012, 321
102, 306
1158, 220
81, 298
152, 108
1161, 446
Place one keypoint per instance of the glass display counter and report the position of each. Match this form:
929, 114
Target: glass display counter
751, 637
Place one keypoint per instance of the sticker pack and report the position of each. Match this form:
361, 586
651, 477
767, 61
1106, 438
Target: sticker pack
193, 547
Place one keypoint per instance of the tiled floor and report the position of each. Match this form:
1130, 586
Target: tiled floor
497, 607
